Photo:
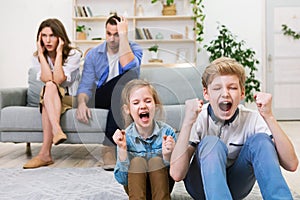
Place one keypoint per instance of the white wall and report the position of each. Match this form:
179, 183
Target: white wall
20, 20
244, 18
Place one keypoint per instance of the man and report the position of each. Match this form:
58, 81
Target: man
107, 68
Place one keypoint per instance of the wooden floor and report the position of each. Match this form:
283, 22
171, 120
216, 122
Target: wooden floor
79, 155
64, 155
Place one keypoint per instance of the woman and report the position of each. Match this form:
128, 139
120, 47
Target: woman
59, 69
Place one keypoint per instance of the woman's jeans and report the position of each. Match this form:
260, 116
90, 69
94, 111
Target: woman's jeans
208, 177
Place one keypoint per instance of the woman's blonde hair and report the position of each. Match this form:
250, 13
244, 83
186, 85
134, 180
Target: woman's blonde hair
223, 66
129, 88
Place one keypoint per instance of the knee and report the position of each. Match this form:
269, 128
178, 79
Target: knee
138, 165
259, 140
50, 87
261, 146
155, 163
50, 84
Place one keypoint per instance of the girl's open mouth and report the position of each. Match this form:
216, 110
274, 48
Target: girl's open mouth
144, 116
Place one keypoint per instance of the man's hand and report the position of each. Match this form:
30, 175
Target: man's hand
83, 113
264, 104
122, 26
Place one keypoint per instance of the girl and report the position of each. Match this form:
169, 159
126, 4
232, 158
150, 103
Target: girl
59, 69
144, 151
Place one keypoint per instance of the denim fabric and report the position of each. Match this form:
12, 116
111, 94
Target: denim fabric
139, 147
208, 177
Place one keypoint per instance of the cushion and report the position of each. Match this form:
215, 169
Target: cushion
34, 88
174, 85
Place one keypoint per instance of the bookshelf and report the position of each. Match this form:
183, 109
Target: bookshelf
173, 34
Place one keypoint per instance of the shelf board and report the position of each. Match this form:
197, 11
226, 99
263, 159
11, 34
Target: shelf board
88, 41
166, 17
148, 18
100, 18
158, 64
138, 41
165, 41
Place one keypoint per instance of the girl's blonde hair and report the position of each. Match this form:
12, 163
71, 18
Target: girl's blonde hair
129, 88
223, 66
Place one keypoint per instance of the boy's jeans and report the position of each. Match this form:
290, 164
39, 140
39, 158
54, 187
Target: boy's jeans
208, 177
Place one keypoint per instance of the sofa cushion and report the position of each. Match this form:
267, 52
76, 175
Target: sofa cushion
34, 88
23, 118
174, 85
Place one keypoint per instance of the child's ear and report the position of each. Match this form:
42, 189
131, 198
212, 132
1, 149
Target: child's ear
205, 94
243, 93
126, 109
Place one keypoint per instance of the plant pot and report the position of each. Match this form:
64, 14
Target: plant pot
81, 35
169, 10
154, 55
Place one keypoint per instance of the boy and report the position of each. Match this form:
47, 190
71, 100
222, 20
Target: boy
232, 146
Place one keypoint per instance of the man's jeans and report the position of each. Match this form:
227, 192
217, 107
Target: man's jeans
108, 96
208, 177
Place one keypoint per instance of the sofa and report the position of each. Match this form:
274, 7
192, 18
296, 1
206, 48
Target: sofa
20, 119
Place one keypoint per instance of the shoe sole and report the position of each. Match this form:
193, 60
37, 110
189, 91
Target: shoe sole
60, 141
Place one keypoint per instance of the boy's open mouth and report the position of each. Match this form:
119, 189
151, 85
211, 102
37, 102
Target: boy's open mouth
225, 106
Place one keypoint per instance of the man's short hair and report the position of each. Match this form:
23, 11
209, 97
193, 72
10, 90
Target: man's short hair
112, 20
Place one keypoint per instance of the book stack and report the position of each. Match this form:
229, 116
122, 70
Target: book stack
83, 11
143, 33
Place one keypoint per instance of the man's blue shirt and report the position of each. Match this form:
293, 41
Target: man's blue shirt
96, 67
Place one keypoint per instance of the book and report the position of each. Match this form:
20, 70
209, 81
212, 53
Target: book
146, 34
78, 11
149, 34
138, 34
81, 11
85, 12
89, 11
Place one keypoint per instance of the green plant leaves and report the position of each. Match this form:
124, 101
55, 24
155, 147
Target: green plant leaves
289, 32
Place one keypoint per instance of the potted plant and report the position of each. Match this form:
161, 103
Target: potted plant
227, 45
154, 51
169, 7
82, 32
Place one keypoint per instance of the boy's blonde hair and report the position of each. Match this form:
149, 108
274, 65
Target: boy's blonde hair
129, 88
223, 66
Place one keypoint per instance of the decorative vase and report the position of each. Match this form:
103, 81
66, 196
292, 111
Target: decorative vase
169, 10
81, 35
140, 11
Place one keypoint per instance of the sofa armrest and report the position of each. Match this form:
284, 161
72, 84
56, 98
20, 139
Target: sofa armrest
13, 97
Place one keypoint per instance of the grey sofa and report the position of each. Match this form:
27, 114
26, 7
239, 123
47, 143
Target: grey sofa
20, 119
